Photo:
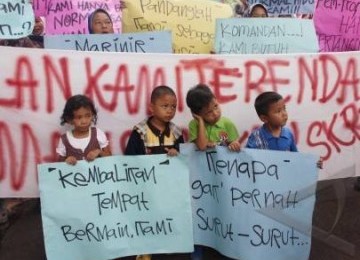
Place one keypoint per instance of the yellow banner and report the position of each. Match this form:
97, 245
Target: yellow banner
192, 22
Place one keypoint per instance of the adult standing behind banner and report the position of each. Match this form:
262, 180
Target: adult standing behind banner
35, 40
258, 10
39, 27
240, 8
99, 22
10, 208
37, 36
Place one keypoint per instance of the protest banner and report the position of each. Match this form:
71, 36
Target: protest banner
146, 42
116, 206
253, 203
321, 93
192, 23
39, 7
71, 16
265, 36
337, 25
287, 6
16, 19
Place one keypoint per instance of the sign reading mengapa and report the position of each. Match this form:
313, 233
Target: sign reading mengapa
265, 36
116, 206
147, 42
253, 203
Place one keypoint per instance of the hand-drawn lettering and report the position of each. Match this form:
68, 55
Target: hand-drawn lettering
159, 227
142, 24
188, 32
252, 170
214, 224
331, 135
121, 201
264, 199
129, 45
23, 80
92, 5
168, 8
204, 189
11, 7
54, 7
273, 237
97, 176
91, 232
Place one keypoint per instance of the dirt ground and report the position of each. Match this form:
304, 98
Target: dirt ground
335, 233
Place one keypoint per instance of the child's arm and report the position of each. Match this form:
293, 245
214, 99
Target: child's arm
135, 145
201, 140
234, 146
71, 160
320, 163
61, 152
104, 149
175, 151
171, 151
92, 155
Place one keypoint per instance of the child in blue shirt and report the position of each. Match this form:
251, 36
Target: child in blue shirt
273, 134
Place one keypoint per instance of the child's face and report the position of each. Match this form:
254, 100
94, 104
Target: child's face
277, 115
102, 24
212, 113
164, 108
82, 119
258, 12
38, 27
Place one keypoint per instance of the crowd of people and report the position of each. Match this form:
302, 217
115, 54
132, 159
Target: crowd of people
100, 22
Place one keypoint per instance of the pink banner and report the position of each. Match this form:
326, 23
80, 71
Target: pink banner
39, 7
71, 16
337, 25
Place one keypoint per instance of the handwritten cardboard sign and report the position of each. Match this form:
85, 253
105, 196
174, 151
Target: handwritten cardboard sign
146, 42
287, 6
253, 203
116, 206
338, 25
39, 7
192, 22
71, 16
16, 19
264, 36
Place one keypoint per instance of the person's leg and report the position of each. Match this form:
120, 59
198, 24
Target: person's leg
198, 253
4, 218
357, 184
143, 257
